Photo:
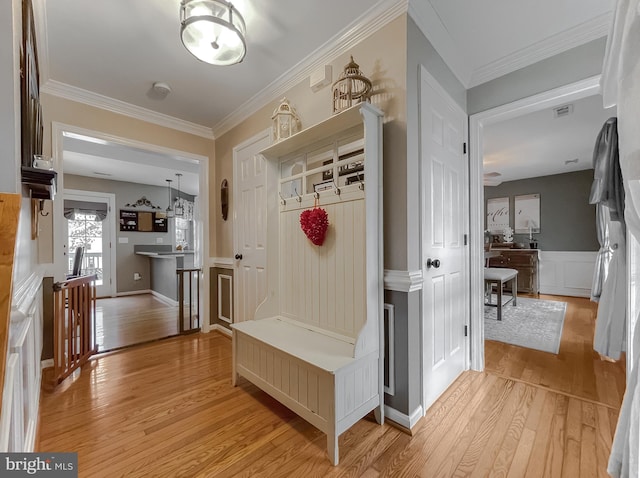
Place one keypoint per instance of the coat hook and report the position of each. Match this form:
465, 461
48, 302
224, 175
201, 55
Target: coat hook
41, 208
336, 189
316, 195
361, 185
283, 200
299, 198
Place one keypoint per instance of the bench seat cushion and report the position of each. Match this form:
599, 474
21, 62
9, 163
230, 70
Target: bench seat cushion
322, 351
499, 273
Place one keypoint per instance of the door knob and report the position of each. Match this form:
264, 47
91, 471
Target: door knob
238, 257
433, 263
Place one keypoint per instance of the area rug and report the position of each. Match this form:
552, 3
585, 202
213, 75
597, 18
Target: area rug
533, 323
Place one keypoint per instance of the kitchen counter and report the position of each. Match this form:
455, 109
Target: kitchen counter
164, 263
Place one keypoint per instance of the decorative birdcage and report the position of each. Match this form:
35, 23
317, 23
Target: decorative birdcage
285, 121
351, 88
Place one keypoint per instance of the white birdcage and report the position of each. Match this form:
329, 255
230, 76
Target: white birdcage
285, 121
351, 88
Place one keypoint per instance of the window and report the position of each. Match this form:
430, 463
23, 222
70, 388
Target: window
86, 230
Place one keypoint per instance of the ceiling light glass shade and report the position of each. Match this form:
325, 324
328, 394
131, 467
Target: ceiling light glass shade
213, 31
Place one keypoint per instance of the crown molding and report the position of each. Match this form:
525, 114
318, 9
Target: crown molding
429, 22
73, 93
579, 35
403, 281
371, 21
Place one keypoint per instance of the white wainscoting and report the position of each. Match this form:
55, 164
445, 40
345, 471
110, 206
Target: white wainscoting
567, 272
221, 316
21, 393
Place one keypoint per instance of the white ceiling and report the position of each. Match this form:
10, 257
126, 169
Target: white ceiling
109, 53
538, 144
85, 156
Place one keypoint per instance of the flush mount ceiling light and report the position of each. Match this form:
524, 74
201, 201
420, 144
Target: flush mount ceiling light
213, 31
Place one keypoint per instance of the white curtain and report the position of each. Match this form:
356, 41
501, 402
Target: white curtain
621, 87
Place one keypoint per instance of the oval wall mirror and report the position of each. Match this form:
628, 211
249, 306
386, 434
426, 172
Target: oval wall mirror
224, 198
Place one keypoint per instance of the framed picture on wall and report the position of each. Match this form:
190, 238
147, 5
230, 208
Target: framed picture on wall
497, 214
527, 213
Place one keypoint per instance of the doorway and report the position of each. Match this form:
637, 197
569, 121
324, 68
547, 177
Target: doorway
478, 122
142, 160
249, 225
443, 163
90, 224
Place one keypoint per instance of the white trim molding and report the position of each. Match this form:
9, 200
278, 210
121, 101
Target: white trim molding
403, 281
430, 24
374, 19
229, 278
390, 317
477, 122
73, 93
222, 262
567, 273
222, 329
573, 37
406, 421
133, 292
164, 298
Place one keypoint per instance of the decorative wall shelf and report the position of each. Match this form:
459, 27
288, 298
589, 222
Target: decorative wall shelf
41, 182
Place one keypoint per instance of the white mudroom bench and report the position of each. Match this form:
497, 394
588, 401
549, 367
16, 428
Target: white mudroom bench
315, 343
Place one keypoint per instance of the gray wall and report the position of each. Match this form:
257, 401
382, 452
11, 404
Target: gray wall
402, 218
567, 220
573, 65
127, 263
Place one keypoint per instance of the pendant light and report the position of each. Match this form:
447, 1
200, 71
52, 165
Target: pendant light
179, 208
169, 210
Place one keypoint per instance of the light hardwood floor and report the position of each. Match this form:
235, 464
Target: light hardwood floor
135, 319
577, 369
168, 409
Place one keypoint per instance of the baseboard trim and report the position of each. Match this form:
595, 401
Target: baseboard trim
48, 363
133, 292
164, 298
221, 329
407, 422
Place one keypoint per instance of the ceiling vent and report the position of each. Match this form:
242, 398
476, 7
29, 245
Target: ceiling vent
571, 161
102, 174
561, 111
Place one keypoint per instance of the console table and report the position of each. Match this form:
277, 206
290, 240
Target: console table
525, 261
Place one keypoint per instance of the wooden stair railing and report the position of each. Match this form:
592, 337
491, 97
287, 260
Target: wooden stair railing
74, 325
9, 219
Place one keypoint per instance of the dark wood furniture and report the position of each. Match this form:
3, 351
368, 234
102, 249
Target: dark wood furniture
525, 261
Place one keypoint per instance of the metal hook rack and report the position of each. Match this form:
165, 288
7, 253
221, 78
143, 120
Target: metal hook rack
361, 185
299, 198
316, 195
283, 201
336, 189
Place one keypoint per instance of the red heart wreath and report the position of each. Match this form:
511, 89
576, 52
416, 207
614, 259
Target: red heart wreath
314, 223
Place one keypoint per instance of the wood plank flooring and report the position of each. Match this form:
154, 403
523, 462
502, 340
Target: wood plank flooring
168, 409
135, 319
576, 370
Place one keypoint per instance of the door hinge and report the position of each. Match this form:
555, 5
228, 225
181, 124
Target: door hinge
466, 239
464, 148
466, 330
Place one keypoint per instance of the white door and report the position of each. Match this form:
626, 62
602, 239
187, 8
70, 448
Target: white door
445, 296
250, 228
96, 234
